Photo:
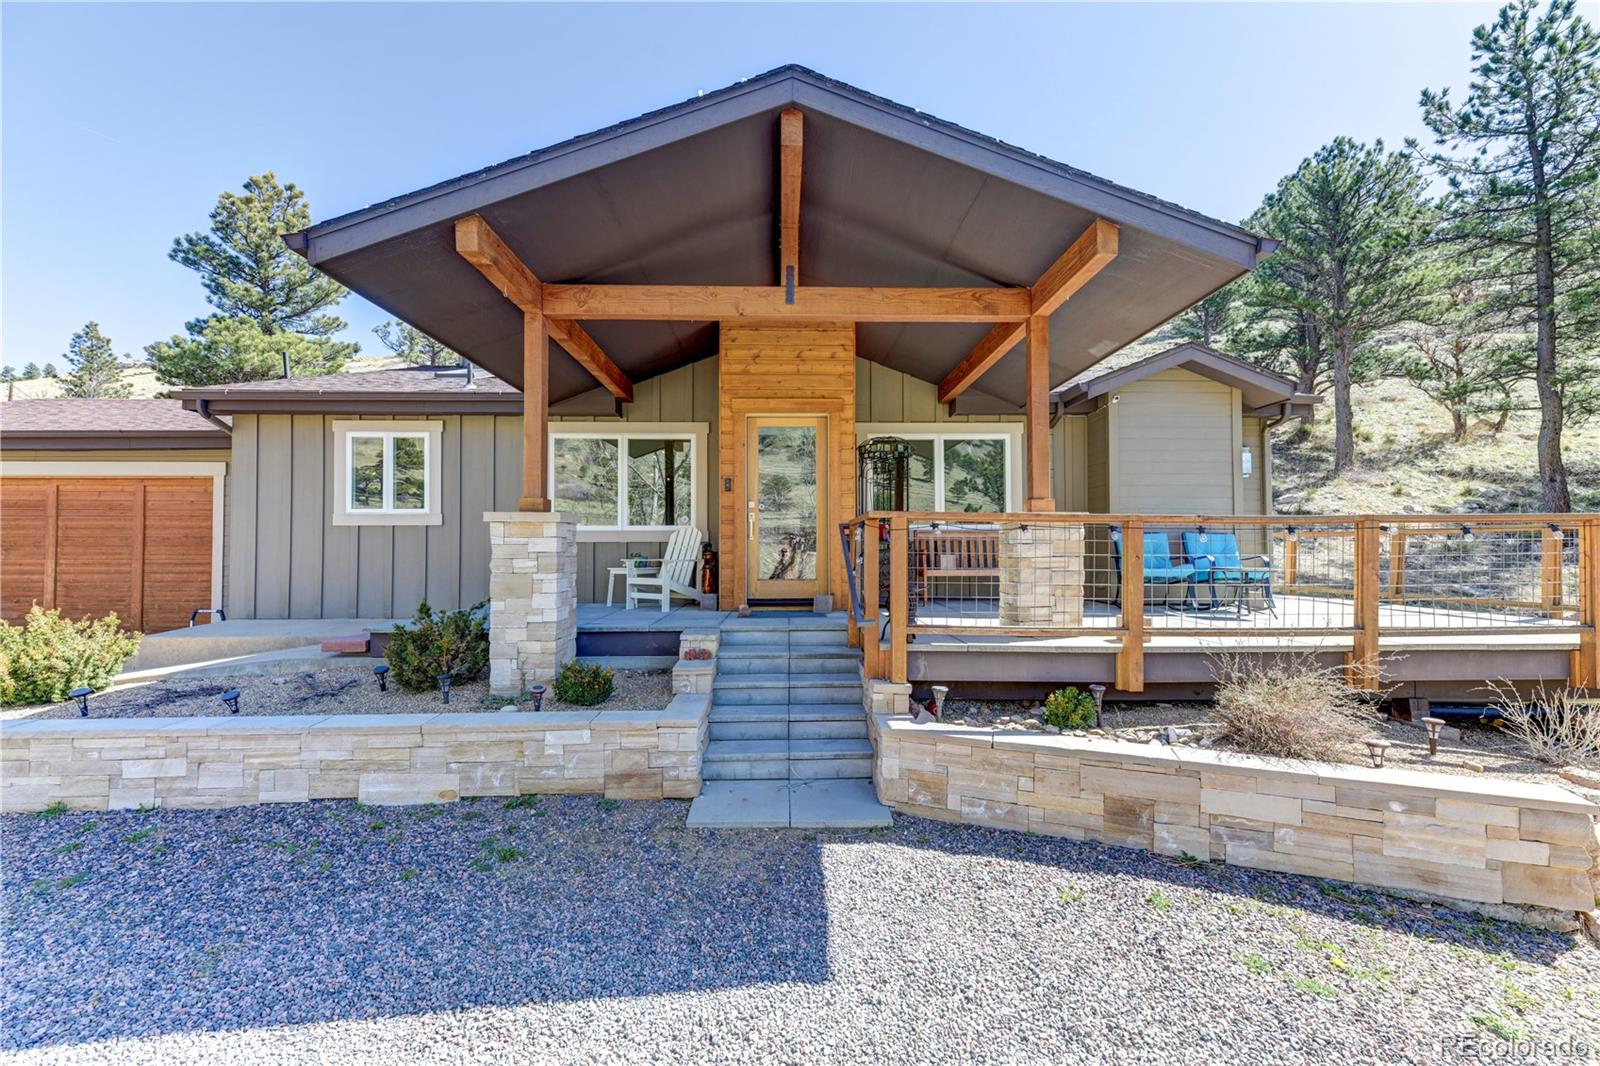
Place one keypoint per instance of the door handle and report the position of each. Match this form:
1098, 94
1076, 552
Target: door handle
751, 515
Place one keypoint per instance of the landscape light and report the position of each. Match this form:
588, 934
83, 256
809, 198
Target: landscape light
231, 698
381, 672
1376, 747
444, 686
82, 696
537, 692
1099, 693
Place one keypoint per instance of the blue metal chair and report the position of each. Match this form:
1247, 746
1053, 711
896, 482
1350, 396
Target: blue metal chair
1159, 566
1216, 561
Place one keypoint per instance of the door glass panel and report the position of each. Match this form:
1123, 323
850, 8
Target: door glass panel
786, 481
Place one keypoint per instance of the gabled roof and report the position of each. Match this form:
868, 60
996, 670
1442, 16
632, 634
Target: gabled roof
1261, 392
401, 390
73, 424
687, 195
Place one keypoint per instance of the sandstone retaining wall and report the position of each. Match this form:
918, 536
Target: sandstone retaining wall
117, 763
1482, 840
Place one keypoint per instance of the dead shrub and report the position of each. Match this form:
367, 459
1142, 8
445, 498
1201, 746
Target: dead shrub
1287, 706
1557, 726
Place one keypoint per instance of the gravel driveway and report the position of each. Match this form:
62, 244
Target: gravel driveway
570, 929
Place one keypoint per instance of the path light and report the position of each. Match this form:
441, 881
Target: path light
1294, 534
1434, 725
1466, 534
231, 698
82, 696
1556, 534
940, 694
1376, 747
1099, 693
537, 692
444, 686
381, 672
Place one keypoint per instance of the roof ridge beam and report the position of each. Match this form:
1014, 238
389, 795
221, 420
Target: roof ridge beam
791, 161
714, 303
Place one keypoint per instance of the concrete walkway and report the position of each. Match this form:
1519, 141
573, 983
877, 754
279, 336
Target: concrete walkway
837, 803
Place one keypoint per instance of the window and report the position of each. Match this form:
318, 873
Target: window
624, 480
968, 472
387, 475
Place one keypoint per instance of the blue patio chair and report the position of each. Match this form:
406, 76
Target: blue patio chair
1159, 566
1216, 561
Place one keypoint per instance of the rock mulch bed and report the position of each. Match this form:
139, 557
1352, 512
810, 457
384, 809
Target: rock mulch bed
569, 929
1467, 747
345, 690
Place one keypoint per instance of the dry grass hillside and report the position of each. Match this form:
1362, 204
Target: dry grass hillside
1406, 461
141, 379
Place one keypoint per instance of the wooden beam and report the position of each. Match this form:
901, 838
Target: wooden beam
1086, 257
535, 413
1083, 259
480, 245
791, 150
1038, 415
710, 303
1130, 658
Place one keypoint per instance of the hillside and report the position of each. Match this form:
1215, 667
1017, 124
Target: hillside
141, 379
1407, 462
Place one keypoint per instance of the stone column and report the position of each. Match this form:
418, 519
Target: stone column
1041, 575
533, 597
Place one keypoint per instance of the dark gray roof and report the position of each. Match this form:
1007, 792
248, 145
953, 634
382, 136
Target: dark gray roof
405, 390
687, 195
65, 423
1260, 390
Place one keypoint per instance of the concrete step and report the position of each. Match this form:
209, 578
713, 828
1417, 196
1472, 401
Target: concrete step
753, 648
830, 769
746, 751
823, 712
823, 730
729, 664
746, 770
773, 729
813, 804
830, 749
842, 661
819, 638
749, 688
825, 688
745, 632
833, 758
750, 712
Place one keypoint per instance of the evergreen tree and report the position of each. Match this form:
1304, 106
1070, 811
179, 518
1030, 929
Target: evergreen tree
96, 373
1522, 157
1452, 353
30, 372
50, 371
1351, 221
271, 304
414, 346
1210, 320
7, 374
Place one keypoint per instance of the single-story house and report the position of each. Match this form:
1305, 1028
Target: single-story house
112, 505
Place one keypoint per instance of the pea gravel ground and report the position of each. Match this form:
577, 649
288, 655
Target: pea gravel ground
580, 930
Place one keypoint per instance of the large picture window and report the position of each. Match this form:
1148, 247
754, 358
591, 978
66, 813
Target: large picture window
388, 473
957, 472
625, 480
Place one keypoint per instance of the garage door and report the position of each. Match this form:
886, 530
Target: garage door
138, 546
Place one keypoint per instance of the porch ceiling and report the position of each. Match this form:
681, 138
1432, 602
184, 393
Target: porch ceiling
688, 195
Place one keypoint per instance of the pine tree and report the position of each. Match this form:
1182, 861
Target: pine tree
271, 304
96, 372
7, 374
1522, 157
1452, 353
50, 371
1352, 222
1209, 321
414, 346
30, 372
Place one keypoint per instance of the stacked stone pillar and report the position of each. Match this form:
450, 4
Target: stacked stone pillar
1041, 575
533, 597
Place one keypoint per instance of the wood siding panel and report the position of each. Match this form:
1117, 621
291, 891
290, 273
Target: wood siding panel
443, 548
308, 516
241, 598
25, 529
177, 551
1175, 445
341, 546
477, 496
274, 479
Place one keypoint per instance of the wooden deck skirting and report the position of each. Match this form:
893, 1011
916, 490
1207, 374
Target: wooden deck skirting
1375, 591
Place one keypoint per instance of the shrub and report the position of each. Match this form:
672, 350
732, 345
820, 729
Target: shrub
439, 642
48, 656
1067, 708
1287, 706
584, 684
1557, 726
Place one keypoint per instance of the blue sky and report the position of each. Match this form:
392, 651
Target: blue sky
119, 124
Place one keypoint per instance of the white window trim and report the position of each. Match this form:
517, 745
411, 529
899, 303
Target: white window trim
696, 433
1008, 432
432, 434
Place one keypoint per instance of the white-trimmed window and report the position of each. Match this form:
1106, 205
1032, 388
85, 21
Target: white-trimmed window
646, 480
968, 471
388, 473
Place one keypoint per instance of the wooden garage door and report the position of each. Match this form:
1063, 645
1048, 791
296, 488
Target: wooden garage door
138, 546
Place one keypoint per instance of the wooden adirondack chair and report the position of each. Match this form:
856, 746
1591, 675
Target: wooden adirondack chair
671, 575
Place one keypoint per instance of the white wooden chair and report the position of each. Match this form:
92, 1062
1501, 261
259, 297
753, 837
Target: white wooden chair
673, 574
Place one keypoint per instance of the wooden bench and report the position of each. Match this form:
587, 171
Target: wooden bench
953, 554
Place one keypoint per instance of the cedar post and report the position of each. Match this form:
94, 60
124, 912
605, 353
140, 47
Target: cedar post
1130, 660
899, 597
1363, 661
1291, 562
871, 535
535, 413
1038, 415
1397, 563
1585, 672
1550, 571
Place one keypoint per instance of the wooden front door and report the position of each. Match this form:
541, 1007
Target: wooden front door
786, 507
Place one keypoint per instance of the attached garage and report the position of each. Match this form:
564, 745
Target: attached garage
111, 506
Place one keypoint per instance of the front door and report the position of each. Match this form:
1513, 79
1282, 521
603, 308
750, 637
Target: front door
786, 500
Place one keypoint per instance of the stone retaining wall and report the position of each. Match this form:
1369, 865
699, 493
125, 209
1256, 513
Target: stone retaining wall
117, 763
1481, 840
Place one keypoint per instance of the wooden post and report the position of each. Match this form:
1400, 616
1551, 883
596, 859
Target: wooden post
1291, 562
791, 151
869, 596
535, 413
1363, 665
1038, 415
1585, 672
1130, 660
1397, 563
899, 597
1550, 545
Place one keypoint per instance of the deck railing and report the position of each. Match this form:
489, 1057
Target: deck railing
1058, 575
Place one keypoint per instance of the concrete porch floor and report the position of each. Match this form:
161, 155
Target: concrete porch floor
818, 804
